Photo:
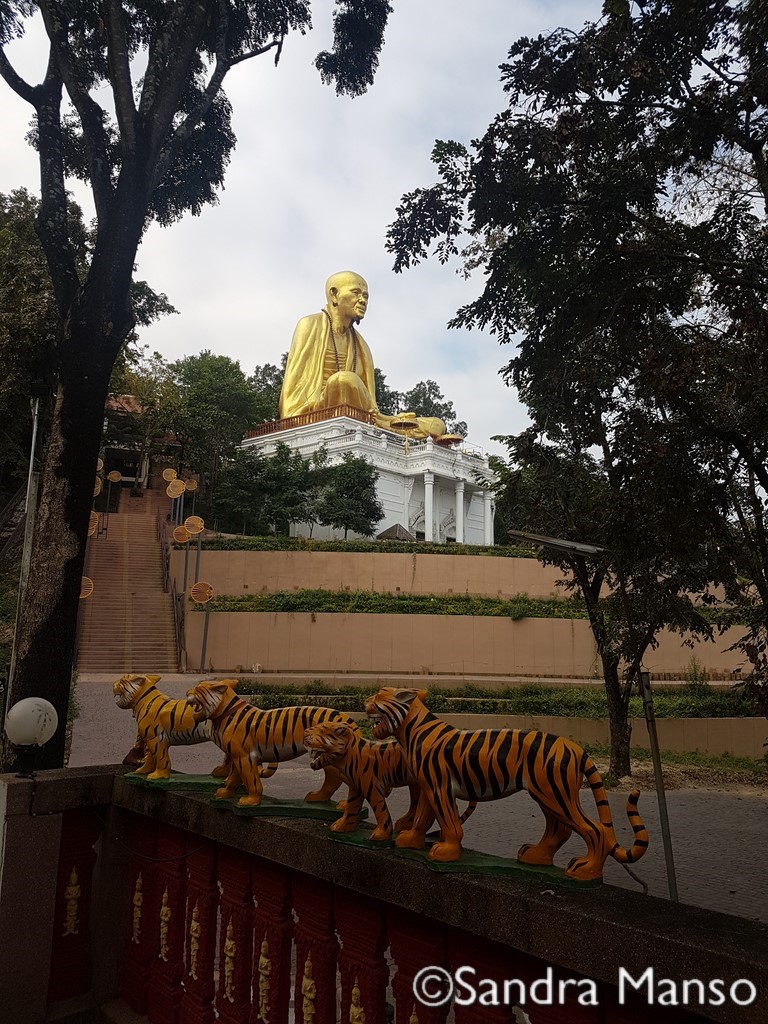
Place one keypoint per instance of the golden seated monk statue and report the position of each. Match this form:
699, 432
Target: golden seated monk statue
329, 363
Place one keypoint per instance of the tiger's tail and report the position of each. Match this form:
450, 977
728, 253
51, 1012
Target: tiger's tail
618, 852
469, 811
268, 770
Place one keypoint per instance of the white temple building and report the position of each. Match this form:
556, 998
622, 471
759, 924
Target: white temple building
439, 494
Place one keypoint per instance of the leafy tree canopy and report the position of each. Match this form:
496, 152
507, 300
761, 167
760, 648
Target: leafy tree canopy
148, 126
617, 208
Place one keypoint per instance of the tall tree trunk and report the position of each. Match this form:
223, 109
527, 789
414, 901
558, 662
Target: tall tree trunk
45, 644
620, 728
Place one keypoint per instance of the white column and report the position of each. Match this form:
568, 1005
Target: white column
459, 512
429, 496
487, 518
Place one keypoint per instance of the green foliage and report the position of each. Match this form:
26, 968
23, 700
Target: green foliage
730, 768
424, 399
350, 502
368, 602
217, 405
267, 382
396, 547
617, 210
132, 103
539, 701
269, 493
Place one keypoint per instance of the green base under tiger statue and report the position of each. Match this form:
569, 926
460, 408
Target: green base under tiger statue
487, 764
250, 736
162, 722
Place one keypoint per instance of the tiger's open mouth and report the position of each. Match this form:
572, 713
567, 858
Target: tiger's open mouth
318, 759
198, 709
380, 725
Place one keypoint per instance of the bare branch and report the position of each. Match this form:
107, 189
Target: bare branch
120, 73
16, 82
91, 114
257, 53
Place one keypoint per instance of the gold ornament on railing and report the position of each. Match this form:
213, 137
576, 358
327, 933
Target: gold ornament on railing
230, 949
195, 931
356, 1011
138, 899
265, 969
165, 917
72, 899
308, 993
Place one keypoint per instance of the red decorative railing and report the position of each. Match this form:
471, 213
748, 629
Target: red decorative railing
194, 915
317, 416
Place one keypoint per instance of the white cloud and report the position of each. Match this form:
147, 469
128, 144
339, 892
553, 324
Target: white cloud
312, 186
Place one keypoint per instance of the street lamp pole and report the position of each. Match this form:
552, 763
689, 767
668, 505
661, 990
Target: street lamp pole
647, 695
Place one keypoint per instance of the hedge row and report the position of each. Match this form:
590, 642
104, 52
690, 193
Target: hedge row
272, 543
571, 702
367, 602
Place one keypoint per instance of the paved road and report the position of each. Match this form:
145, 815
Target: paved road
720, 839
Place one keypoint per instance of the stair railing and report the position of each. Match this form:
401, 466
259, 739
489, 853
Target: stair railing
166, 553
178, 622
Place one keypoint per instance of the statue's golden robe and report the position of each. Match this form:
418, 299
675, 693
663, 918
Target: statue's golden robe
304, 381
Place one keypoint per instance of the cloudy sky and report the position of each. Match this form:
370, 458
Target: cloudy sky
313, 184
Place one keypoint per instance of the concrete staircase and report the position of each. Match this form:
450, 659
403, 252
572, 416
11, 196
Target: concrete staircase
127, 623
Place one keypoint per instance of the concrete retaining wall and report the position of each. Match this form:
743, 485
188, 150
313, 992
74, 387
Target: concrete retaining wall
740, 737
244, 572
461, 645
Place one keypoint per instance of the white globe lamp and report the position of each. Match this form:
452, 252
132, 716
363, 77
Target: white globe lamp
29, 724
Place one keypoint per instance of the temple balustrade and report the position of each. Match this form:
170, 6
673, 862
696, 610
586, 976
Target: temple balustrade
131, 904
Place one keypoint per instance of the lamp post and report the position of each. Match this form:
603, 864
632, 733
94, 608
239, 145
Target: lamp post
647, 696
38, 390
29, 725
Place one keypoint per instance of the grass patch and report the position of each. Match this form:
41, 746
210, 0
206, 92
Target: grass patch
722, 762
571, 702
367, 602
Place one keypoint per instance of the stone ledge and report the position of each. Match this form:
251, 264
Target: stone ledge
592, 932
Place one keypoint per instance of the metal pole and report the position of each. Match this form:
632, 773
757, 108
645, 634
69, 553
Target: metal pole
666, 836
26, 558
35, 410
205, 640
186, 566
197, 560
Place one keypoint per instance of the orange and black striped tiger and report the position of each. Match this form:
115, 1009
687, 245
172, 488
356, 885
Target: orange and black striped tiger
162, 722
249, 736
486, 764
371, 770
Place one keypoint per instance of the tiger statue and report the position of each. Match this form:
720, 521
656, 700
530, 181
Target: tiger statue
248, 736
486, 764
162, 722
371, 770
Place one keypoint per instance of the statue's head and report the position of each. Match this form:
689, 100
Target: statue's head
347, 293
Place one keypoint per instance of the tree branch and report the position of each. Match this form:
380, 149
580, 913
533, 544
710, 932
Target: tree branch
52, 223
170, 84
196, 115
90, 113
120, 73
15, 81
